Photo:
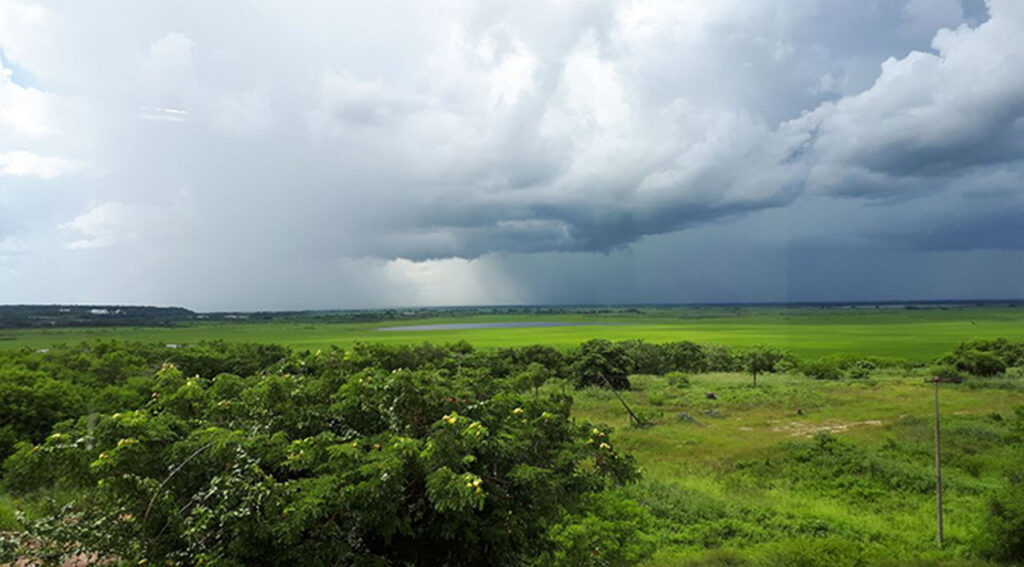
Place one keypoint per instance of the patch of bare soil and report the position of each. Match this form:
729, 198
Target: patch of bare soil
801, 429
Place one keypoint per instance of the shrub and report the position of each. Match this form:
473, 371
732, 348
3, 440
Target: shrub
601, 363
685, 356
720, 358
610, 530
860, 370
1002, 538
979, 363
645, 358
948, 372
822, 370
678, 379
1010, 353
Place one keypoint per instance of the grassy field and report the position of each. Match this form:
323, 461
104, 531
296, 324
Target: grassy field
919, 335
744, 478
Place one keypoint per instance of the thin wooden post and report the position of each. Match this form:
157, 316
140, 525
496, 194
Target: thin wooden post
938, 470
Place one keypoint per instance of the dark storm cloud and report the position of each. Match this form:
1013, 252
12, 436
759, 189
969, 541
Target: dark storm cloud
353, 143
993, 230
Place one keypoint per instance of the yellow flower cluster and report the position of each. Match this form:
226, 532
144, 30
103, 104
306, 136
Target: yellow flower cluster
476, 428
476, 484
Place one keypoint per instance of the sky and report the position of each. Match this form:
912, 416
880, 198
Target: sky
274, 155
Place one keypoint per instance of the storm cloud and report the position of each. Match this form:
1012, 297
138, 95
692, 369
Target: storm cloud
251, 155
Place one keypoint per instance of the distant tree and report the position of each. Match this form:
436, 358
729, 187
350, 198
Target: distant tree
647, 358
1010, 353
979, 363
760, 359
601, 363
721, 358
822, 370
685, 356
535, 375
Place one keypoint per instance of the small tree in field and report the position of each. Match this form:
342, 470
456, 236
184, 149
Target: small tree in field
761, 359
601, 363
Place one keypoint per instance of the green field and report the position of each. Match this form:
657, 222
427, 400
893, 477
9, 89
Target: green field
697, 454
919, 334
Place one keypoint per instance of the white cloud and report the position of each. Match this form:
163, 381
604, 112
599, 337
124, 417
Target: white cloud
104, 225
27, 164
22, 30
27, 111
928, 113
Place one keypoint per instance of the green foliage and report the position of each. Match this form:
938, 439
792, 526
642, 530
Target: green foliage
645, 358
843, 470
601, 363
395, 467
41, 388
979, 363
860, 370
1010, 353
685, 356
721, 358
1002, 538
822, 370
678, 379
760, 359
608, 530
535, 376
814, 551
948, 372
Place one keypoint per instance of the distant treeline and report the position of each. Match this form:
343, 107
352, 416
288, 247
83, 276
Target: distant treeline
49, 316
35, 316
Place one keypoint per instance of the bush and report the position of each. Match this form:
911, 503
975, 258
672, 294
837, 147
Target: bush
720, 358
822, 370
1002, 538
860, 370
601, 363
949, 373
678, 379
609, 530
685, 356
1010, 353
645, 358
979, 363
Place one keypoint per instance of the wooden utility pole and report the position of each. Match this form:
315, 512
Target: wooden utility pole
938, 456
938, 469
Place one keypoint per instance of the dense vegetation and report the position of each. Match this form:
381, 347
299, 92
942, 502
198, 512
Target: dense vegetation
446, 454
48, 316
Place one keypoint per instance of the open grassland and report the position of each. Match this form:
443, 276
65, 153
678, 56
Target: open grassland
797, 472
914, 334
